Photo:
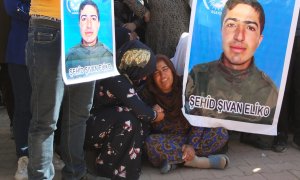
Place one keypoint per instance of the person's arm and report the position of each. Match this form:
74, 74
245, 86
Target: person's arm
18, 9
132, 26
138, 9
122, 89
138, 22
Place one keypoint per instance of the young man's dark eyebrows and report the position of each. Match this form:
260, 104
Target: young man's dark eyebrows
85, 15
251, 22
236, 20
231, 19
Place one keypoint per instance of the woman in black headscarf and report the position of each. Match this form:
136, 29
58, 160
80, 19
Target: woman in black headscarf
116, 129
173, 140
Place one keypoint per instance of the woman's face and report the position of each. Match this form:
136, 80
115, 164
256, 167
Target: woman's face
163, 77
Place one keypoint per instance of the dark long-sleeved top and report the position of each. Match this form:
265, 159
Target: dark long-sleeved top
18, 11
118, 91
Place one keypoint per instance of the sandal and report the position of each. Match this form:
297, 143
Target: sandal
219, 161
166, 167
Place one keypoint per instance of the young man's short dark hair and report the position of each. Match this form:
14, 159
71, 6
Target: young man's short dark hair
230, 4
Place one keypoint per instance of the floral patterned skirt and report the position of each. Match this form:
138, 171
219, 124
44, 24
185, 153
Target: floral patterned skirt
168, 147
116, 135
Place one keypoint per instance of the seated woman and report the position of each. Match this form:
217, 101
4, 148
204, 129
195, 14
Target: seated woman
115, 131
174, 141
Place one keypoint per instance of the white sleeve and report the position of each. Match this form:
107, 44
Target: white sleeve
180, 54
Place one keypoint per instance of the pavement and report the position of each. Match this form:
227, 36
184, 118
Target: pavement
246, 162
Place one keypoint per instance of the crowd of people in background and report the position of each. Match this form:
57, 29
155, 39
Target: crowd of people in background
106, 127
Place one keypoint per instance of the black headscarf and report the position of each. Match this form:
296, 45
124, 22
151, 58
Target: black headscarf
122, 36
171, 102
135, 60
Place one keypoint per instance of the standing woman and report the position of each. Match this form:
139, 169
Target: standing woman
19, 75
117, 128
174, 141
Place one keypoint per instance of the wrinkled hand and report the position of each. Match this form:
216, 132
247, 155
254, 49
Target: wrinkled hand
188, 152
130, 26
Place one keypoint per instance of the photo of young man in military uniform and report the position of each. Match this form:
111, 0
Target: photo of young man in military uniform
233, 87
90, 59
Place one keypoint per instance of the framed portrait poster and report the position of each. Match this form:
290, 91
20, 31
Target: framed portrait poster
237, 63
87, 40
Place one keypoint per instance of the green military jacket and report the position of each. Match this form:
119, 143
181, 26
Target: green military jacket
214, 90
84, 61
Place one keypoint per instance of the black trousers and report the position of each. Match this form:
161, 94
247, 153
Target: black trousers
289, 117
7, 92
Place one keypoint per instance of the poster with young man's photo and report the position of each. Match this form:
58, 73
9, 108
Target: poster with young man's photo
87, 40
237, 63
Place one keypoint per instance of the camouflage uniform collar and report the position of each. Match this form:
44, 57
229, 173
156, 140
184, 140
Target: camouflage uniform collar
81, 44
236, 74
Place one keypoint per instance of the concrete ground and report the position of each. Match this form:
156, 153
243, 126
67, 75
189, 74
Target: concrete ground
246, 162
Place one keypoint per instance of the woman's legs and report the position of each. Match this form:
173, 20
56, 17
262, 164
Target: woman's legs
207, 141
116, 137
166, 149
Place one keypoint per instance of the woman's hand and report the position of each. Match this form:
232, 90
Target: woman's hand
130, 26
159, 116
157, 108
188, 152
